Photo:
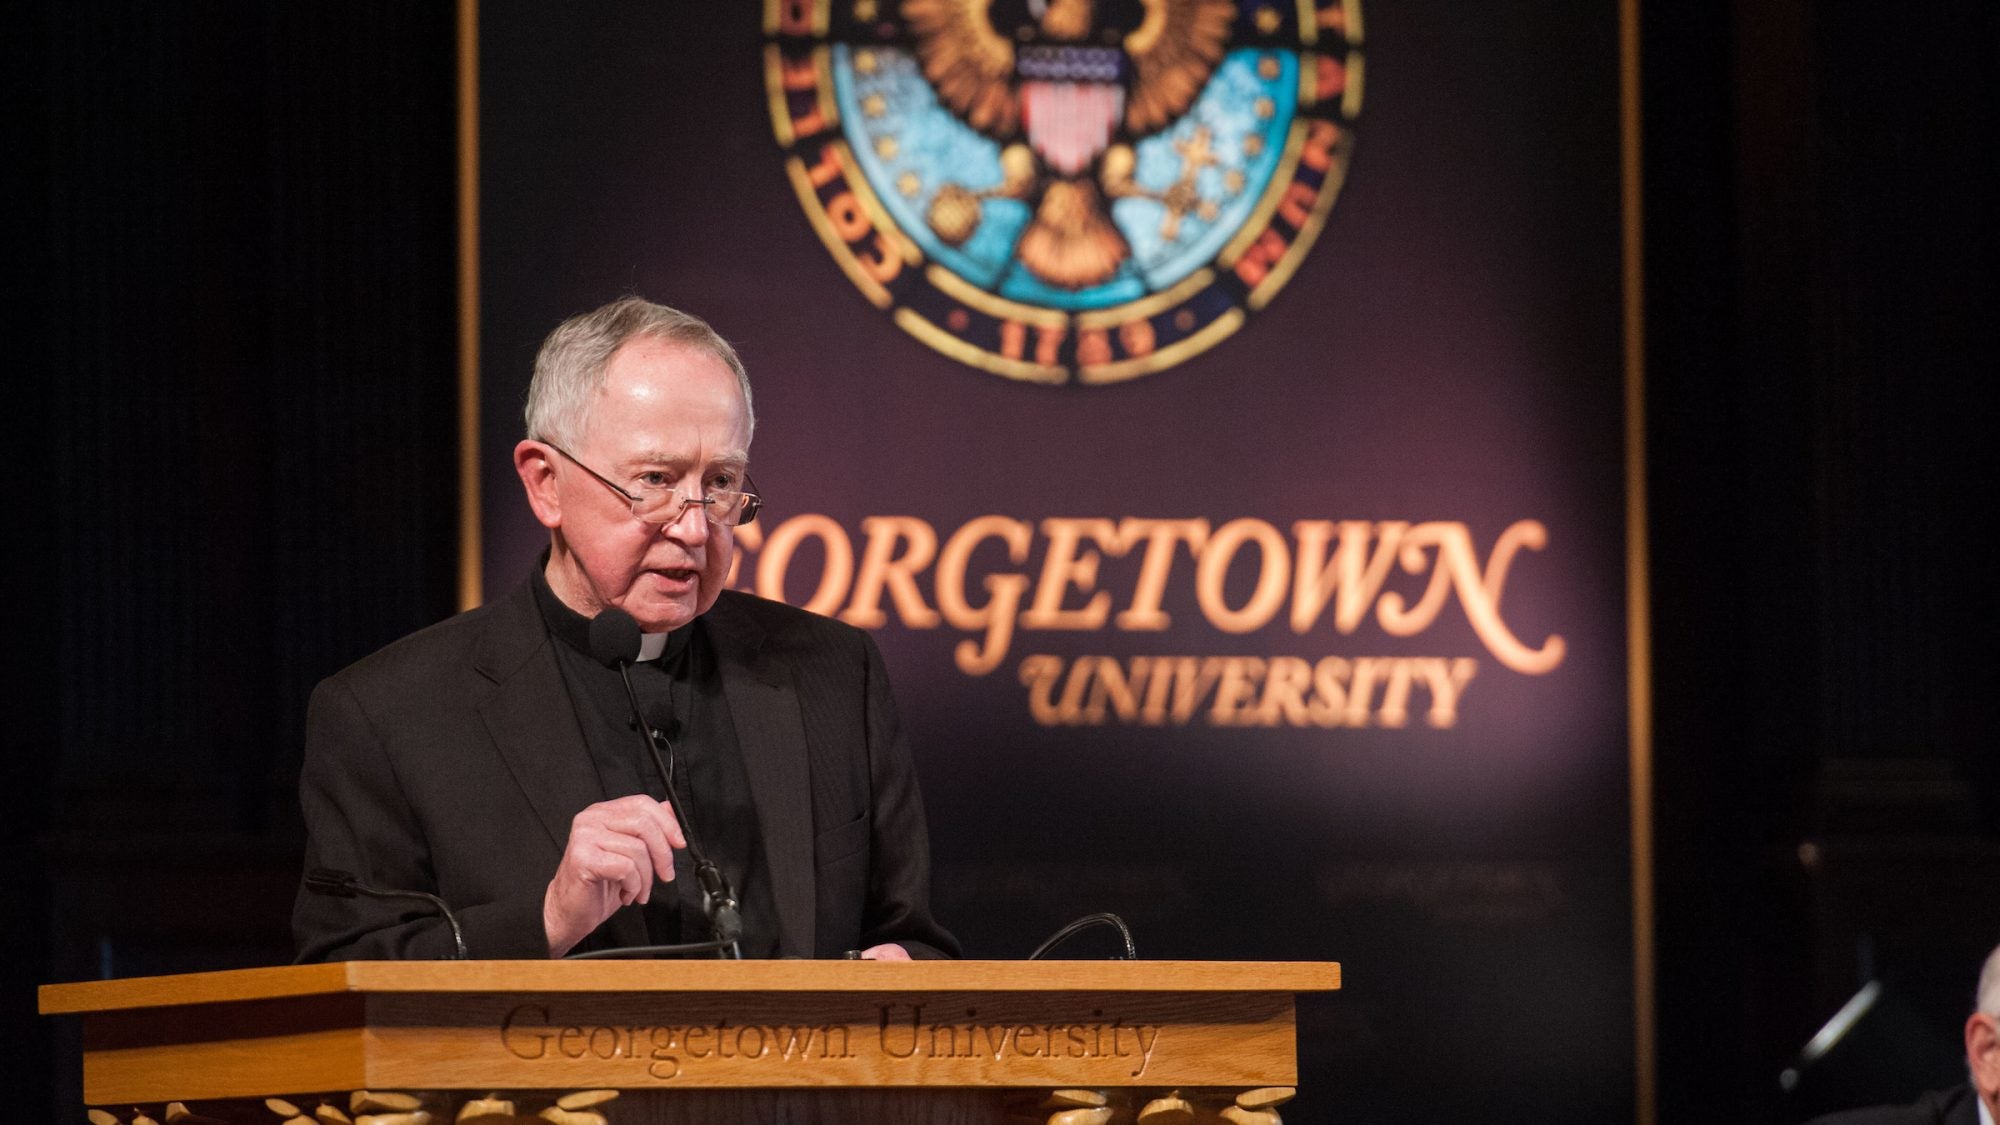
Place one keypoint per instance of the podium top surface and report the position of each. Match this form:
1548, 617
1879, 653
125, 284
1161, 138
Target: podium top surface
688, 976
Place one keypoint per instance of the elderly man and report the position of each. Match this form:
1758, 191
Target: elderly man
494, 759
1977, 1102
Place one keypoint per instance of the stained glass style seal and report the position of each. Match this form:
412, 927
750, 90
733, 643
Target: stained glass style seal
1066, 190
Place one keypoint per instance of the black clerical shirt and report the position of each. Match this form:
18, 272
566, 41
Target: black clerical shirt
681, 695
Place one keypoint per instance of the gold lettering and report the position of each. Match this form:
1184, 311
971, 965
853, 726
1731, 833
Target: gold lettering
1330, 78
1447, 680
1213, 568
1318, 153
1389, 611
1479, 594
1136, 337
1324, 569
1329, 703
1353, 576
881, 567
776, 558
798, 73
1039, 674
1110, 687
795, 16
1285, 686
1243, 691
1256, 262
1003, 591
880, 260
1296, 205
1159, 681
1093, 347
1395, 708
826, 169
849, 221
1048, 343
1013, 338
812, 124
1239, 677
1361, 689
1062, 568
1145, 614
1193, 679
1070, 708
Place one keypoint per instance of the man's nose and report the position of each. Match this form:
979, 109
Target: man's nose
690, 524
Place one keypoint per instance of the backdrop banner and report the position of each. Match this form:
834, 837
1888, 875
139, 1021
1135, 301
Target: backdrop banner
1214, 410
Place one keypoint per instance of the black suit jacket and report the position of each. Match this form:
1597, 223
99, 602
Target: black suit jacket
1956, 1106
451, 762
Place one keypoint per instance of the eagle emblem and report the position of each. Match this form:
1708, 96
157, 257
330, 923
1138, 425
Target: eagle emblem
1062, 190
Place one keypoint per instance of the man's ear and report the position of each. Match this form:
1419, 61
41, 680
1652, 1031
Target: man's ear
1982, 1054
535, 463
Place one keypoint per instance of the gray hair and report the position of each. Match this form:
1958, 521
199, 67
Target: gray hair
1989, 984
570, 368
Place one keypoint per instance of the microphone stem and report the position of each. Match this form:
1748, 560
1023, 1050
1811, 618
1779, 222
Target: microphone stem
718, 901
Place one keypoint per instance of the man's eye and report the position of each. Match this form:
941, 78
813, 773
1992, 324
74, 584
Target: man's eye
726, 481
655, 480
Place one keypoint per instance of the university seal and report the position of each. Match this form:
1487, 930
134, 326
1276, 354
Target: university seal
1066, 190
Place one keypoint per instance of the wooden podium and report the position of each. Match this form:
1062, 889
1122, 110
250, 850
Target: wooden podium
601, 1042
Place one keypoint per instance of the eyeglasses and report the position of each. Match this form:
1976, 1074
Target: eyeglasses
724, 507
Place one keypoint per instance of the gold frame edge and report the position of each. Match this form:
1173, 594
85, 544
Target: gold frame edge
1638, 581
470, 576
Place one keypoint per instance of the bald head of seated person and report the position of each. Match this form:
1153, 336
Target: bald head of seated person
1977, 1102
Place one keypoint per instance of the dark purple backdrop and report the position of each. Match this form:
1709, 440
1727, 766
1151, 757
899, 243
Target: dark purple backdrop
1449, 351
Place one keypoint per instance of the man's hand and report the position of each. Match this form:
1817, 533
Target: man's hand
887, 952
616, 850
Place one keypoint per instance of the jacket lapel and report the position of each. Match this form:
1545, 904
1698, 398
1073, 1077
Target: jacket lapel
532, 723
764, 706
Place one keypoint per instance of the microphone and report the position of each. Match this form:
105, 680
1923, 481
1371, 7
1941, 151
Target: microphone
614, 642
614, 638
335, 883
1082, 924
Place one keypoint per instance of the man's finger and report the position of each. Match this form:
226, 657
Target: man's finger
628, 813
654, 826
617, 860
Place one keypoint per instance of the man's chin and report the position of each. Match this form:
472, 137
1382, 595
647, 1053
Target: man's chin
661, 622
662, 615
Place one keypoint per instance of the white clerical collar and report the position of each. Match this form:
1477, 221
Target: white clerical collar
1985, 1115
651, 645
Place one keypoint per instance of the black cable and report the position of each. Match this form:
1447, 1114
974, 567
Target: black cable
343, 884
1082, 924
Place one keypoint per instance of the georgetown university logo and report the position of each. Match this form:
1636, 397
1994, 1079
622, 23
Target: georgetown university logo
1066, 189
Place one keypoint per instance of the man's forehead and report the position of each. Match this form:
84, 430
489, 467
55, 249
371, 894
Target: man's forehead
669, 404
729, 458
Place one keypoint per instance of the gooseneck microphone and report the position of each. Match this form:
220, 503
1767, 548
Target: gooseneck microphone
614, 642
334, 883
1082, 924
